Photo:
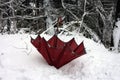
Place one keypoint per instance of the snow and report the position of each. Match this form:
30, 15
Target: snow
19, 60
116, 35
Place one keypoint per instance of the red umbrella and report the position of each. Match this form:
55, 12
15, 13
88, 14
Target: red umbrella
57, 52
36, 42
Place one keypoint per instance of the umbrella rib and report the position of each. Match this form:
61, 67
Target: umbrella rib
60, 56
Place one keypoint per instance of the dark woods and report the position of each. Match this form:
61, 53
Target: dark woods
97, 16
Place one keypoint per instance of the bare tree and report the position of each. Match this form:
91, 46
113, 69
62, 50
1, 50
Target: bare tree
13, 10
80, 20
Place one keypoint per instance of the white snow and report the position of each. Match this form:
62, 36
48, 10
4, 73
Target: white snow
116, 35
19, 60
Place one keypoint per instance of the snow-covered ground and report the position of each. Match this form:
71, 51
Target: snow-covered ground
19, 60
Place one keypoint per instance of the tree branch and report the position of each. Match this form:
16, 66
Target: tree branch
69, 11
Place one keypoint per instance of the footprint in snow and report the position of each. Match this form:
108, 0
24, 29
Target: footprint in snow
0, 78
22, 70
24, 78
1, 65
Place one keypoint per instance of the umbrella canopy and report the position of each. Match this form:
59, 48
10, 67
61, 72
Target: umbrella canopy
56, 52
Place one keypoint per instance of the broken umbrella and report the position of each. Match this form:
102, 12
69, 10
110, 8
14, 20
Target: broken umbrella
56, 52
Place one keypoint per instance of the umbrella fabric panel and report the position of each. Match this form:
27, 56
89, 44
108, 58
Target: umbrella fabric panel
43, 49
55, 42
66, 55
36, 42
72, 44
80, 49
54, 54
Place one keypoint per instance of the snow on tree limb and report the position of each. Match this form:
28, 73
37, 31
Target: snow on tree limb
69, 11
23, 17
81, 22
6, 3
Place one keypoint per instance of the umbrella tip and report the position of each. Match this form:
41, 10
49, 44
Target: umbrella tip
31, 38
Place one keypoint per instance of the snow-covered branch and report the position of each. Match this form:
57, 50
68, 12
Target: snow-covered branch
32, 7
62, 1
6, 3
82, 19
102, 16
23, 17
